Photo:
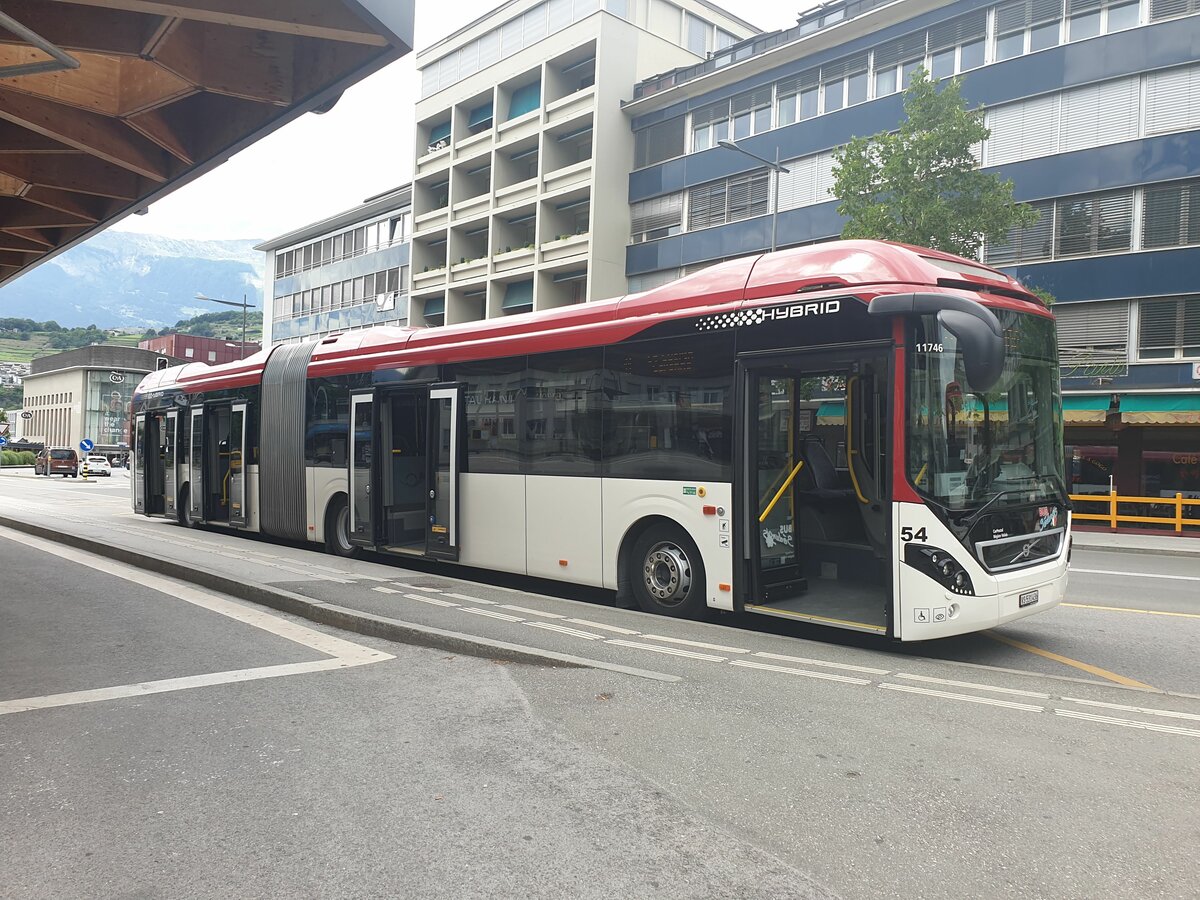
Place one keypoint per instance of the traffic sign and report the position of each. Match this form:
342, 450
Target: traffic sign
86, 445
3, 440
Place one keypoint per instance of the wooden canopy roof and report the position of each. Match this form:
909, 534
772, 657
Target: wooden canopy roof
108, 105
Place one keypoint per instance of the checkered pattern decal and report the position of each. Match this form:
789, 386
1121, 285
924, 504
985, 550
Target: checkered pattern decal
735, 319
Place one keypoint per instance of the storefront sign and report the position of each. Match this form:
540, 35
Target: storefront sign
1196, 371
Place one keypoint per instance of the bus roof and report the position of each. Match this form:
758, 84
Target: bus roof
832, 266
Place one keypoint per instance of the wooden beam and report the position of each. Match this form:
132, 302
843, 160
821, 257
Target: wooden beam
83, 206
99, 30
16, 213
97, 135
17, 257
19, 242
11, 186
253, 65
79, 173
47, 240
155, 126
15, 139
161, 30
306, 18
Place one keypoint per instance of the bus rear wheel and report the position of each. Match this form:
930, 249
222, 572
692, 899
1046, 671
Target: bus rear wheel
337, 530
185, 509
666, 573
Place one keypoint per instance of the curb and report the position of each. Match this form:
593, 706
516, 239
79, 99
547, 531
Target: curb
1125, 548
340, 617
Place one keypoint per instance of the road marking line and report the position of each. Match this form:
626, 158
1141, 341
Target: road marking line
1127, 723
413, 587
357, 575
1067, 661
824, 676
432, 601
385, 590
1144, 612
562, 629
968, 698
699, 644
970, 684
489, 613
1135, 574
1169, 713
531, 612
707, 657
471, 599
818, 662
178, 684
613, 628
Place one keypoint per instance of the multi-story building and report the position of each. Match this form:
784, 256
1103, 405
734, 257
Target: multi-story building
1094, 111
523, 151
197, 348
86, 393
346, 272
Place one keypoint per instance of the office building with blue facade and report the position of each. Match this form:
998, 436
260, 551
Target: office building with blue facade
1094, 111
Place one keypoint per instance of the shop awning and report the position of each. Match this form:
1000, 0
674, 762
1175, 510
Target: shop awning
1160, 409
832, 413
1085, 410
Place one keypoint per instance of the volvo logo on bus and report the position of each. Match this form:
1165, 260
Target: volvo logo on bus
738, 318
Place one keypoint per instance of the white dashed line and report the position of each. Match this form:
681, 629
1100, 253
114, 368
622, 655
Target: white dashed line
1135, 574
469, 599
967, 698
603, 627
970, 684
385, 590
531, 612
824, 676
562, 629
489, 613
669, 650
698, 644
820, 662
1169, 713
432, 601
414, 587
358, 575
1127, 723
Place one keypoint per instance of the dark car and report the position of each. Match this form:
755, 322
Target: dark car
56, 461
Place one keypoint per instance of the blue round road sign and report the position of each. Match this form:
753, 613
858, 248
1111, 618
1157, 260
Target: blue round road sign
86, 445
3, 440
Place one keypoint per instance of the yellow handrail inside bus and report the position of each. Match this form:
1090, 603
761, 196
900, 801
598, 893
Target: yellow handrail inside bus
782, 490
851, 451
921, 474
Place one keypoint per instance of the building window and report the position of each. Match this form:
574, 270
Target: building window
797, 98
657, 218
1171, 215
895, 62
479, 119
1170, 9
664, 140
212, 355
1169, 328
957, 45
1023, 26
525, 99
189, 353
1028, 243
843, 81
1092, 333
728, 201
439, 136
751, 113
1102, 223
710, 125
696, 37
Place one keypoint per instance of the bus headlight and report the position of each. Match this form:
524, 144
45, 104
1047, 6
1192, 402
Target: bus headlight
940, 566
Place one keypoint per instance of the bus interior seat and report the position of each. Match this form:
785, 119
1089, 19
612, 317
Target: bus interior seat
826, 510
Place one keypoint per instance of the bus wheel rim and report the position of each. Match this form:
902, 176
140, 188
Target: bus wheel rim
667, 574
341, 529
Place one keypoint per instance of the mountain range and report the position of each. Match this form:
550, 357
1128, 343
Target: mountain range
120, 279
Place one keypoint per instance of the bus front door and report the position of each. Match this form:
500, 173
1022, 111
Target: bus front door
170, 459
196, 479
236, 467
403, 441
138, 464
445, 448
813, 499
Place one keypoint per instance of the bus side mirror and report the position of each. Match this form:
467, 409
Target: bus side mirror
976, 327
983, 348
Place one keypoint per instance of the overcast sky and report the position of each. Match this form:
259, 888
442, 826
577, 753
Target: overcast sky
322, 164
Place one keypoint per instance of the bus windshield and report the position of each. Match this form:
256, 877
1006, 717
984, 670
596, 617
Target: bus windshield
1002, 446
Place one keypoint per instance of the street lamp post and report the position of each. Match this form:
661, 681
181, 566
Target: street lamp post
244, 305
774, 166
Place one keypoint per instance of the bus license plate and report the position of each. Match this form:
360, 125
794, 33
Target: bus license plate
1027, 599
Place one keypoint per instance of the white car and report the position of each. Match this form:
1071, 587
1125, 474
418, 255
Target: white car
97, 465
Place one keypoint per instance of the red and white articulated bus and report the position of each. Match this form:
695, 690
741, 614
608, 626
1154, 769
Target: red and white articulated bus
857, 434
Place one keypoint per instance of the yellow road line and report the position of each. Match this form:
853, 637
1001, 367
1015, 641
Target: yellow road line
1145, 612
1067, 661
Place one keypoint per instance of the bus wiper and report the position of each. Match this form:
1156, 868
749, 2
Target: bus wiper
974, 516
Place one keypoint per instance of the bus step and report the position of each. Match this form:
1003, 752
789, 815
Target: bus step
784, 590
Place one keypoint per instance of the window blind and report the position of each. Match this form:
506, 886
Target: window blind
1027, 244
1023, 130
525, 99
706, 205
1101, 223
748, 196
1171, 215
797, 83
1171, 323
1169, 9
664, 140
1022, 13
714, 112
656, 214
1089, 325
1098, 114
906, 48
1173, 100
756, 99
963, 30
840, 68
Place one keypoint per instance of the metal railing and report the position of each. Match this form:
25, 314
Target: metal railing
1113, 516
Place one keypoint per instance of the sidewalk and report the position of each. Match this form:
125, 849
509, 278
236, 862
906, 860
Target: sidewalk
1180, 545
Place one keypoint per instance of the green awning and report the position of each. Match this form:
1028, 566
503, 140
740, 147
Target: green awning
831, 412
1160, 409
1085, 409
1086, 402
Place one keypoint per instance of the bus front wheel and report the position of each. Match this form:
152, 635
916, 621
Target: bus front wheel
337, 529
666, 573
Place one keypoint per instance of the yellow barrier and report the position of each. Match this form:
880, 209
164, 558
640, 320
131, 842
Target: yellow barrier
1113, 516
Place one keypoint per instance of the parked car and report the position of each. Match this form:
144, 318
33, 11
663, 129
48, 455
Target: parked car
56, 461
97, 465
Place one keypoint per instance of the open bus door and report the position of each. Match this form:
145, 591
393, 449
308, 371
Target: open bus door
813, 499
137, 462
236, 467
445, 446
170, 461
361, 473
196, 480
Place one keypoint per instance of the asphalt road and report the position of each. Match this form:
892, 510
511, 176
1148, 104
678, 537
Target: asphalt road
737, 762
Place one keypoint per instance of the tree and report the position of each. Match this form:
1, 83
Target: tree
921, 184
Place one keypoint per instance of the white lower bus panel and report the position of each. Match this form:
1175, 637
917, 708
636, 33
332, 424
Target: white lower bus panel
925, 609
